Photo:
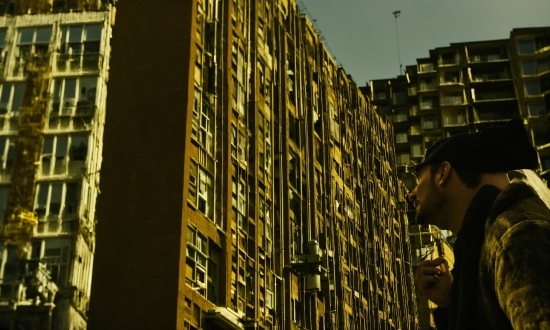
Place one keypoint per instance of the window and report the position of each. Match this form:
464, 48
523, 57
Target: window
201, 190
63, 153
80, 47
4, 190
402, 159
269, 288
202, 127
334, 122
401, 137
193, 183
55, 253
7, 148
427, 103
11, 98
197, 256
532, 87
526, 46
74, 96
426, 67
238, 202
294, 170
296, 311
55, 200
454, 117
2, 45
452, 98
417, 150
234, 141
529, 68
35, 40
536, 109
205, 200
430, 122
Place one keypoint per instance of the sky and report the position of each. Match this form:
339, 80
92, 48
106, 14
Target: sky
361, 34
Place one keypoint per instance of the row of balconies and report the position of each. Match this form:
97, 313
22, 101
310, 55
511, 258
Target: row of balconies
62, 63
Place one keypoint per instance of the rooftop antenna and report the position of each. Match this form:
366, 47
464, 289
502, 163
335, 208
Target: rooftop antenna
396, 14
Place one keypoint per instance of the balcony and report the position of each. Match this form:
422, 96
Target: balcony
492, 96
414, 111
412, 91
452, 100
428, 87
490, 76
67, 63
415, 130
426, 68
427, 105
486, 58
492, 116
449, 59
452, 121
451, 81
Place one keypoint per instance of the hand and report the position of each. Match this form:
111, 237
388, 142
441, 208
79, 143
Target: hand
434, 280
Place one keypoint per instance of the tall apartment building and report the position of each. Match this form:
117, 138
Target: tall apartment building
466, 87
247, 182
53, 74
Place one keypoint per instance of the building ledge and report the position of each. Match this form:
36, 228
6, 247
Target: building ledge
225, 318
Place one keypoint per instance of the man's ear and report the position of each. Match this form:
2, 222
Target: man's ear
444, 173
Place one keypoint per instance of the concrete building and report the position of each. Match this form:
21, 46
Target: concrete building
468, 86
53, 75
247, 182
465, 87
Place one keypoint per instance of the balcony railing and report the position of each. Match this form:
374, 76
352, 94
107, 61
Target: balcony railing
493, 96
450, 61
452, 100
78, 62
490, 76
428, 86
486, 58
415, 130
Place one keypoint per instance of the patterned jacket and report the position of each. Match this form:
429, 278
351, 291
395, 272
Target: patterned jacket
501, 278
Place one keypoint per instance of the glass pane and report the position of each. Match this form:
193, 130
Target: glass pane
43, 35
25, 36
528, 68
75, 33
70, 88
18, 93
532, 87
3, 200
48, 146
526, 46
87, 90
55, 198
2, 38
79, 147
61, 147
93, 32
42, 196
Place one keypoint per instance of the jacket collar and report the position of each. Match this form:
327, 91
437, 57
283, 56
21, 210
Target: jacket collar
514, 192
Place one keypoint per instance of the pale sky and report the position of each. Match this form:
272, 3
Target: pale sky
361, 34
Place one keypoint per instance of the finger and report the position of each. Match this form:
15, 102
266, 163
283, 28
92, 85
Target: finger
444, 266
427, 281
429, 271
